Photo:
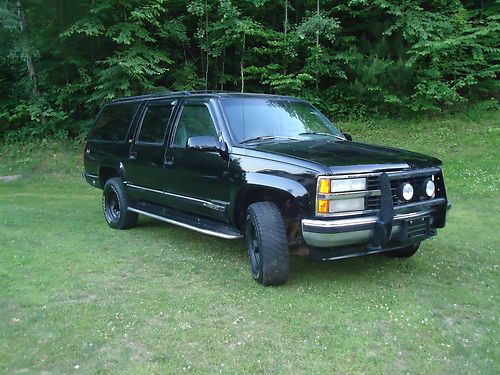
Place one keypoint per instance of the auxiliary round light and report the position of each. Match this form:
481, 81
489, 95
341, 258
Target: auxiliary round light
430, 188
407, 191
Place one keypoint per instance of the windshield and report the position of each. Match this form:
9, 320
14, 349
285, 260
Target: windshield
257, 119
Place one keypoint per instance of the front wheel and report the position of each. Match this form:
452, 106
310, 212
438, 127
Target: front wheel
115, 204
404, 252
267, 244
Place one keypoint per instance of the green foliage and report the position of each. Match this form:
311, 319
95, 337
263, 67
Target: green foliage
351, 58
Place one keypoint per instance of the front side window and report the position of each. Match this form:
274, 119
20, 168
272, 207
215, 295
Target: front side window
195, 121
154, 124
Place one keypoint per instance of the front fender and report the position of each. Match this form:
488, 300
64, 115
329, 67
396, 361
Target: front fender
254, 180
293, 188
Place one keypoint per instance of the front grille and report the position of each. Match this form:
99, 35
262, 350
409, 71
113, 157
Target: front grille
372, 183
373, 203
416, 182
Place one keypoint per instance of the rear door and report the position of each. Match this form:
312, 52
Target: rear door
145, 169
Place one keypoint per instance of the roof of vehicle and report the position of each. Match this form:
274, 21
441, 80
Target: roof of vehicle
217, 94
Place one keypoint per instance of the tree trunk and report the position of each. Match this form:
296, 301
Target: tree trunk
285, 27
223, 69
286, 19
317, 45
206, 44
242, 66
29, 59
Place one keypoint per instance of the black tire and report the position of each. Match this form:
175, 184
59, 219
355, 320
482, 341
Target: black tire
267, 244
115, 203
404, 252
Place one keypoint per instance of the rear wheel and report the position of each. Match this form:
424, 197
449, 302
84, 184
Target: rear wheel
404, 252
115, 204
267, 244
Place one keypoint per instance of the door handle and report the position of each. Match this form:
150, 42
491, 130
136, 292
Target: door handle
169, 161
133, 155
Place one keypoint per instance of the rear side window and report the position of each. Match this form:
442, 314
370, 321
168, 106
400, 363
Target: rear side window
113, 122
154, 124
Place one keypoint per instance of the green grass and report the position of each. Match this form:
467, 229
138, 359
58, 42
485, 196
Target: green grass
162, 299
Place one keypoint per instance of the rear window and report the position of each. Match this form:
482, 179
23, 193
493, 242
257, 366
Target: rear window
113, 122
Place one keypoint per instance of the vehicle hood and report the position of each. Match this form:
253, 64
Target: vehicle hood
349, 157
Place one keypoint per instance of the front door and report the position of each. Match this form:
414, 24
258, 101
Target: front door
198, 180
145, 167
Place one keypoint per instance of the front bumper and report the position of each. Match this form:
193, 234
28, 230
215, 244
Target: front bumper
411, 223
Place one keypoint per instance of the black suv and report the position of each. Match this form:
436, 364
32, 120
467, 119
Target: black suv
269, 168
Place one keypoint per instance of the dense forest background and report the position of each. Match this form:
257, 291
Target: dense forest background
60, 60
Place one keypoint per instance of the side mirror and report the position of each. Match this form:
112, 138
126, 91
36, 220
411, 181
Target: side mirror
203, 143
347, 136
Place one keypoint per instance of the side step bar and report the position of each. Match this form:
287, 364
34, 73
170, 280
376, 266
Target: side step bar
202, 225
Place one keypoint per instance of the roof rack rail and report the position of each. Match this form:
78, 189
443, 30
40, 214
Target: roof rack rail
210, 92
149, 96
168, 93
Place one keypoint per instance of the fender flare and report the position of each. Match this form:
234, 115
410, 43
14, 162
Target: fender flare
116, 165
270, 182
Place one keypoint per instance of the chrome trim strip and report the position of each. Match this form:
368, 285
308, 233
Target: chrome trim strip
412, 215
410, 172
335, 215
353, 175
339, 223
209, 204
187, 226
350, 194
90, 175
360, 220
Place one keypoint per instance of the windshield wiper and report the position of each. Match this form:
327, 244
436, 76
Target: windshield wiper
268, 137
327, 134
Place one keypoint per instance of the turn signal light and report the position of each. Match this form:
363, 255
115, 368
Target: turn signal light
324, 186
323, 206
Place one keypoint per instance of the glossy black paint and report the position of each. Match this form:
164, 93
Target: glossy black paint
331, 152
216, 183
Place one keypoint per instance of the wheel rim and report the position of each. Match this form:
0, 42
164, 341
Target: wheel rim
253, 249
112, 205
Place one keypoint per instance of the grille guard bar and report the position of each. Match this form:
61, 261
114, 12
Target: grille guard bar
385, 216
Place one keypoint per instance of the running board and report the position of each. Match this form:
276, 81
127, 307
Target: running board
198, 224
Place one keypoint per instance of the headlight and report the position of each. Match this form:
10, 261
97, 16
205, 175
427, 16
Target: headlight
329, 201
327, 185
326, 206
344, 205
430, 188
348, 184
406, 191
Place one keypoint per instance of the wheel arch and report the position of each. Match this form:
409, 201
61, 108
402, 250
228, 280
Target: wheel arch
290, 196
108, 171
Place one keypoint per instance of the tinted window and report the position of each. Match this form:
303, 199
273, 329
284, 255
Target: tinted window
113, 122
250, 118
194, 121
154, 124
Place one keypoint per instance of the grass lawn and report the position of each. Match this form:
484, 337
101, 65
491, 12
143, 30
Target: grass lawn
78, 297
